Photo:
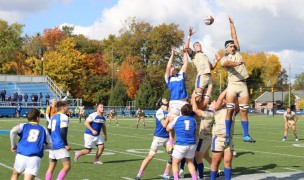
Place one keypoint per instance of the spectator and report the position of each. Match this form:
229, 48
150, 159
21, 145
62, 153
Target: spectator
3, 93
33, 99
15, 96
20, 98
40, 98
47, 99
18, 110
25, 97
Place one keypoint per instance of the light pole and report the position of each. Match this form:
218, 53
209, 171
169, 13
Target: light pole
41, 62
289, 94
112, 70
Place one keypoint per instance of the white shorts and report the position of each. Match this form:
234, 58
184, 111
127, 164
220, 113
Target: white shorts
59, 154
180, 152
91, 141
26, 164
159, 141
176, 106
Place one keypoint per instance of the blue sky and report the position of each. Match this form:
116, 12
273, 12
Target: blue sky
80, 12
273, 26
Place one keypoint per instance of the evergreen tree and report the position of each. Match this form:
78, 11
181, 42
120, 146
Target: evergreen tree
286, 100
146, 97
119, 96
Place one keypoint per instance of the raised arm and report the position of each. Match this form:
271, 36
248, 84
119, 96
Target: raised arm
220, 99
195, 109
233, 33
169, 64
216, 59
187, 43
185, 61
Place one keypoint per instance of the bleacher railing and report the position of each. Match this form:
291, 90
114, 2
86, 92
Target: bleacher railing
50, 83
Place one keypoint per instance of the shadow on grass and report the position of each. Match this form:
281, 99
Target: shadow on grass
243, 153
253, 169
295, 176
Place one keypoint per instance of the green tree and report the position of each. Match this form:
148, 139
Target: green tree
286, 100
119, 95
146, 97
299, 81
282, 82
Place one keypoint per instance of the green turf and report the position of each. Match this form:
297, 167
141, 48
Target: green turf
268, 154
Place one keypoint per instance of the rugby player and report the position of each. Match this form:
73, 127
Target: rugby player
113, 114
33, 138
184, 127
94, 124
161, 138
60, 147
140, 114
290, 119
203, 85
233, 63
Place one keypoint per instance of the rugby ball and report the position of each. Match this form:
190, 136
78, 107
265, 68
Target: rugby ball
208, 20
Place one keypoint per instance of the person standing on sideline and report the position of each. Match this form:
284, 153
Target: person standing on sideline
30, 147
92, 137
47, 99
233, 63
290, 119
60, 148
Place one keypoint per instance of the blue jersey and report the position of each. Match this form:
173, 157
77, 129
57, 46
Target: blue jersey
32, 139
57, 122
177, 86
184, 127
160, 131
96, 122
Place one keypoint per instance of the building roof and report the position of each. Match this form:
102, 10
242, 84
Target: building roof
278, 96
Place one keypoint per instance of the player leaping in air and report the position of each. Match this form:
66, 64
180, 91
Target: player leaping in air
237, 87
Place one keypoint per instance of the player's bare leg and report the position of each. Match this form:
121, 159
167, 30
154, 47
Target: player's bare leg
66, 166
81, 153
216, 160
191, 168
137, 122
143, 120
15, 175
244, 105
116, 120
228, 156
206, 97
286, 127
110, 119
146, 162
50, 170
29, 176
175, 166
293, 127
99, 152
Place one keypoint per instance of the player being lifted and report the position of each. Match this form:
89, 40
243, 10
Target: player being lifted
184, 127
113, 115
161, 137
140, 114
237, 87
30, 147
94, 124
290, 119
60, 148
203, 85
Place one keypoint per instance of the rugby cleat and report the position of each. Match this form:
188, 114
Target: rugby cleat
284, 139
181, 174
234, 154
76, 157
296, 139
220, 173
98, 162
248, 139
137, 178
166, 177
227, 140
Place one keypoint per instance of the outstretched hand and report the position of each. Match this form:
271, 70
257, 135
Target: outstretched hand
217, 56
230, 19
191, 32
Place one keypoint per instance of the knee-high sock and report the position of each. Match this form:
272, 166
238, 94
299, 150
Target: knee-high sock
228, 124
245, 125
227, 173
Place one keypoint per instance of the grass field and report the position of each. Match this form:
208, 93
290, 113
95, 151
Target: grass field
126, 148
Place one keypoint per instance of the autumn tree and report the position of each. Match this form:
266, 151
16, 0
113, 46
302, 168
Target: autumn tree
52, 37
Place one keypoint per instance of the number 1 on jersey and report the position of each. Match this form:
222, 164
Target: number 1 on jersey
187, 125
